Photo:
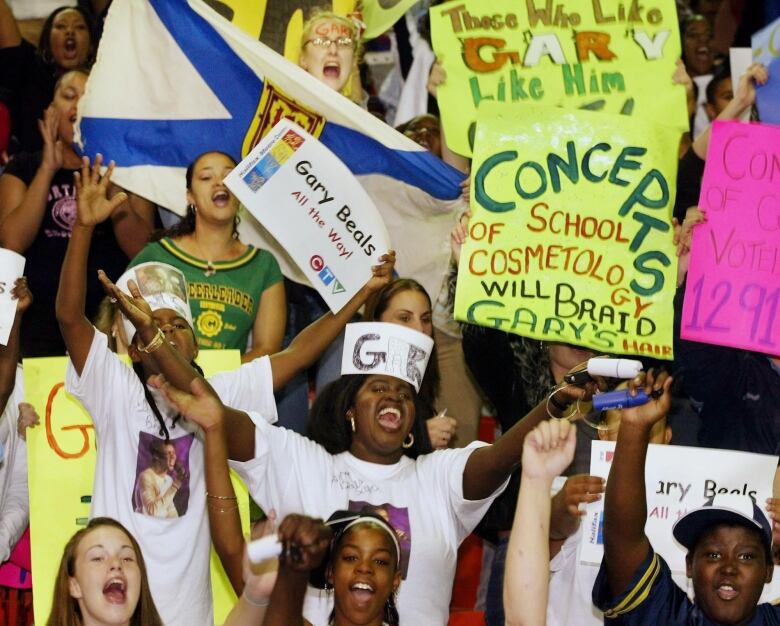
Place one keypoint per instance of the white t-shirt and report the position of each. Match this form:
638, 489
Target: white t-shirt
423, 500
176, 549
14, 503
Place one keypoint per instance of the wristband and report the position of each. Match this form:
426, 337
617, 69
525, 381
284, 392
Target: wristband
260, 605
154, 344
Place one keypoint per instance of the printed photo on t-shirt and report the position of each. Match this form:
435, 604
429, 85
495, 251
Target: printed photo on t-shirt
398, 518
162, 476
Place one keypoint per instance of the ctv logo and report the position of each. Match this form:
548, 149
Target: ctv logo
325, 274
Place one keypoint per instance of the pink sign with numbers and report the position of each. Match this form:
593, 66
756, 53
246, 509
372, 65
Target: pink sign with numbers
732, 297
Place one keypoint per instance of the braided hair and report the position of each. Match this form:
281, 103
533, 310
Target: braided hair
138, 368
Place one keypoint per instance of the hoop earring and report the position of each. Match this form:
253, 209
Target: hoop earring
409, 441
352, 421
192, 207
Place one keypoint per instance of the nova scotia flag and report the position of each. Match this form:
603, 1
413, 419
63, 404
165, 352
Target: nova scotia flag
174, 79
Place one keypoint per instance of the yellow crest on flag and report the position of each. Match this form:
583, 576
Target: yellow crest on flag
276, 105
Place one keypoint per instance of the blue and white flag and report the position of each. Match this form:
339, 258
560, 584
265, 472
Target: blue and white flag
174, 79
766, 50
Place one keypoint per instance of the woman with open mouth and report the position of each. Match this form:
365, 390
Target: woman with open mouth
29, 74
354, 555
102, 580
366, 447
38, 213
236, 290
330, 48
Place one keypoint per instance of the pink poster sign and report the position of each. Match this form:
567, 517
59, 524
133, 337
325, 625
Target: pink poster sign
732, 297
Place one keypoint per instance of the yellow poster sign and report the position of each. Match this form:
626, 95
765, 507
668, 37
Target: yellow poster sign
61, 464
380, 15
616, 57
571, 235
278, 23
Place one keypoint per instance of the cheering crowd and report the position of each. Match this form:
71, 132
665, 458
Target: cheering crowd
365, 477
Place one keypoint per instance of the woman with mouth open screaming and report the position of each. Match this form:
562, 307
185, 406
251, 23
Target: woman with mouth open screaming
366, 447
236, 290
354, 555
102, 580
28, 75
330, 48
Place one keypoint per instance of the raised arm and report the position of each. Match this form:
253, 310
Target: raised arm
489, 466
21, 207
548, 450
304, 350
240, 431
310, 539
9, 353
259, 582
744, 98
92, 207
625, 505
221, 501
313, 340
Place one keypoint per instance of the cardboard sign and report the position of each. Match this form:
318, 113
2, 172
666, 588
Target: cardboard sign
766, 50
383, 348
587, 54
313, 205
11, 268
732, 293
678, 479
571, 236
61, 467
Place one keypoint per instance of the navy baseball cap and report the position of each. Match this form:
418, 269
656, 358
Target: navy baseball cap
723, 508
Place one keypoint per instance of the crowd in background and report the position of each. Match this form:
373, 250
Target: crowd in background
415, 479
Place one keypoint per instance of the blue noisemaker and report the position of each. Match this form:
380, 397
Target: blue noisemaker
620, 399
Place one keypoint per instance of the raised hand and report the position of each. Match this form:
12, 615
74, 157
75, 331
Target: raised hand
200, 405
382, 274
259, 579
436, 77
657, 387
745, 93
53, 155
134, 307
681, 77
22, 294
459, 234
92, 203
548, 449
441, 430
306, 542
28, 418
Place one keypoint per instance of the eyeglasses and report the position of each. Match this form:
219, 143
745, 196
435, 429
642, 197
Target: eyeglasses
324, 42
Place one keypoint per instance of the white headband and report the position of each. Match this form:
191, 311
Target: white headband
162, 286
383, 348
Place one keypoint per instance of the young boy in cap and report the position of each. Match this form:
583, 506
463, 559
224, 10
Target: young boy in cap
728, 541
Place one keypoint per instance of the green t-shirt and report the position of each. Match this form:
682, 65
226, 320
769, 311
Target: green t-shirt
224, 305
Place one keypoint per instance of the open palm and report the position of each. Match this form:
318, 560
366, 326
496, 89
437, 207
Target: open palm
92, 203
